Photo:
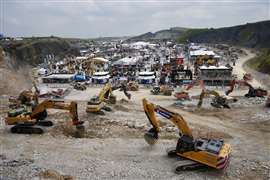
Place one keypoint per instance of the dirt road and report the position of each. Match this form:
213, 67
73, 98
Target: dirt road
239, 69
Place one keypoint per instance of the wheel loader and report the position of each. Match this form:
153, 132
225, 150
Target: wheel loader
191, 152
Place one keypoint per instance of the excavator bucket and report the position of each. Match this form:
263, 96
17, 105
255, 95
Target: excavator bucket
151, 137
80, 131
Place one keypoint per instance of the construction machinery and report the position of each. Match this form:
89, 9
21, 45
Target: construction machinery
132, 86
30, 119
79, 86
26, 97
252, 92
163, 90
183, 95
191, 152
98, 103
218, 101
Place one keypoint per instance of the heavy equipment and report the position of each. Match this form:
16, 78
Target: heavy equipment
98, 103
218, 101
191, 152
79, 86
182, 95
132, 86
26, 97
165, 90
252, 92
30, 119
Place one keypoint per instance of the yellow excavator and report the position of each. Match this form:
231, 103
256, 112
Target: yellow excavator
191, 152
30, 119
218, 101
98, 103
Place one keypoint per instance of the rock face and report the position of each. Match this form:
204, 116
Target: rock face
253, 35
32, 51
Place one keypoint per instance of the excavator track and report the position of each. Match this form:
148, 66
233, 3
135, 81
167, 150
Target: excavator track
26, 129
171, 152
186, 165
45, 123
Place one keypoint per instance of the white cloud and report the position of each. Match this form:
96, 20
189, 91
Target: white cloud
89, 18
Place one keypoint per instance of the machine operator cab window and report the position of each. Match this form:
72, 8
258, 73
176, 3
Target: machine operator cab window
211, 145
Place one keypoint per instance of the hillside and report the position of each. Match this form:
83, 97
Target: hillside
13, 80
252, 35
167, 34
31, 51
262, 62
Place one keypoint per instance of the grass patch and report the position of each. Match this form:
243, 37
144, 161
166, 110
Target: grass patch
262, 62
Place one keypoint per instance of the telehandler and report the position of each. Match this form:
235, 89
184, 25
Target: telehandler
191, 152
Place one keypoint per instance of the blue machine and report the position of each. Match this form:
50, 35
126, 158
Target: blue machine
80, 77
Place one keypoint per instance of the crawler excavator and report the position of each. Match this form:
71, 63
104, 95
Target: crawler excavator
98, 103
184, 94
191, 152
30, 119
252, 92
218, 101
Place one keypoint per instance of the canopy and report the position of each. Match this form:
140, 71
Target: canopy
126, 61
100, 59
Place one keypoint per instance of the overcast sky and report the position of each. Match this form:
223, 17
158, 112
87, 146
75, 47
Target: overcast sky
95, 18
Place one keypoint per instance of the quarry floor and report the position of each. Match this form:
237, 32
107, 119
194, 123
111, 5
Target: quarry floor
114, 148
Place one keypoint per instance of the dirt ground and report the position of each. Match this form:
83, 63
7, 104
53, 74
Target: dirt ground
113, 146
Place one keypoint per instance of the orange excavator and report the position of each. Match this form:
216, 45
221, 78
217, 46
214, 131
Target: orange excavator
252, 92
191, 152
184, 94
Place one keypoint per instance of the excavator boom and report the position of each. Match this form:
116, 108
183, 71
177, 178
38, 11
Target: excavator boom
194, 152
151, 109
195, 82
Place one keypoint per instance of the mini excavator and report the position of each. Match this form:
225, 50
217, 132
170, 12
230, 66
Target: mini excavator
218, 101
98, 103
192, 153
